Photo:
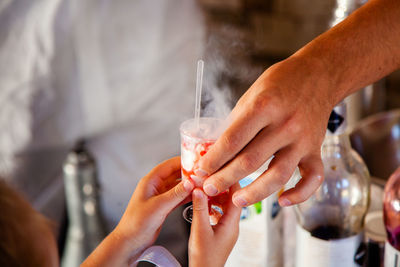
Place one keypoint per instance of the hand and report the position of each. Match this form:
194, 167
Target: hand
285, 114
156, 195
211, 245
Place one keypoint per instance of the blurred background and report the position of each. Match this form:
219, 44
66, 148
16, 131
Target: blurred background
121, 75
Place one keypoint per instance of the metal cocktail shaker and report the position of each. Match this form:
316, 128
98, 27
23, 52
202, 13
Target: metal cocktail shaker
86, 227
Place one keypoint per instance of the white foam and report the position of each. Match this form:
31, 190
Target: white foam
207, 129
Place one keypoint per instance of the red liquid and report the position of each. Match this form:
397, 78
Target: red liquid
394, 237
216, 204
200, 150
391, 210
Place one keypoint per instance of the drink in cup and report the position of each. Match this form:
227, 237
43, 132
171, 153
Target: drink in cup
196, 139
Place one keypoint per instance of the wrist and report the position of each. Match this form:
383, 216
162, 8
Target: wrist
130, 249
301, 80
114, 250
204, 260
319, 77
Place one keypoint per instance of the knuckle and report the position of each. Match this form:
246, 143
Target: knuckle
282, 174
294, 127
230, 142
319, 166
179, 192
247, 162
220, 183
303, 195
209, 166
260, 103
313, 165
255, 193
200, 208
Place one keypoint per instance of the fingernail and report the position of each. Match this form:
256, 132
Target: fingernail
210, 190
285, 202
198, 182
239, 201
200, 173
197, 193
188, 185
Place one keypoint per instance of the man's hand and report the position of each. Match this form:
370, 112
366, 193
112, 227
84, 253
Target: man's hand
283, 114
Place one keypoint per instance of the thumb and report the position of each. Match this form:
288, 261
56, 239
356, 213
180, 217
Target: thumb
201, 218
173, 197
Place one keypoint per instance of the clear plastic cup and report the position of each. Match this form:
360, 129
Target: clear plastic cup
196, 140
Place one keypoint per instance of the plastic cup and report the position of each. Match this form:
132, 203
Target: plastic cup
196, 140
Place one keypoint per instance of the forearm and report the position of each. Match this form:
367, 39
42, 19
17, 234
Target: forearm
362, 49
114, 250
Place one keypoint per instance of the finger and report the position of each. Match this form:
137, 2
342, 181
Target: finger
165, 169
274, 178
253, 156
159, 179
201, 218
151, 186
312, 173
178, 194
232, 214
163, 185
174, 177
243, 129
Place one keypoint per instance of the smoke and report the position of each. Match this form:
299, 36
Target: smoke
228, 69
216, 97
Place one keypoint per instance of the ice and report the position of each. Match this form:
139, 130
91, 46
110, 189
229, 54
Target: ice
199, 148
188, 158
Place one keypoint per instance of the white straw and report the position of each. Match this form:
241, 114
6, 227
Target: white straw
199, 85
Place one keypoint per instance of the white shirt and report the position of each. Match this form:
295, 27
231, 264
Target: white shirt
119, 73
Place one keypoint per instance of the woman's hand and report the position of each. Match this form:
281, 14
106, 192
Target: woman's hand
211, 245
156, 195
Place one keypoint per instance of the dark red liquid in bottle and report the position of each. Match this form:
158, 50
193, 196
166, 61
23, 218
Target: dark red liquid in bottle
394, 237
327, 232
391, 209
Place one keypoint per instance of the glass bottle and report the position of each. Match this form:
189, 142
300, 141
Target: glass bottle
391, 212
330, 222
